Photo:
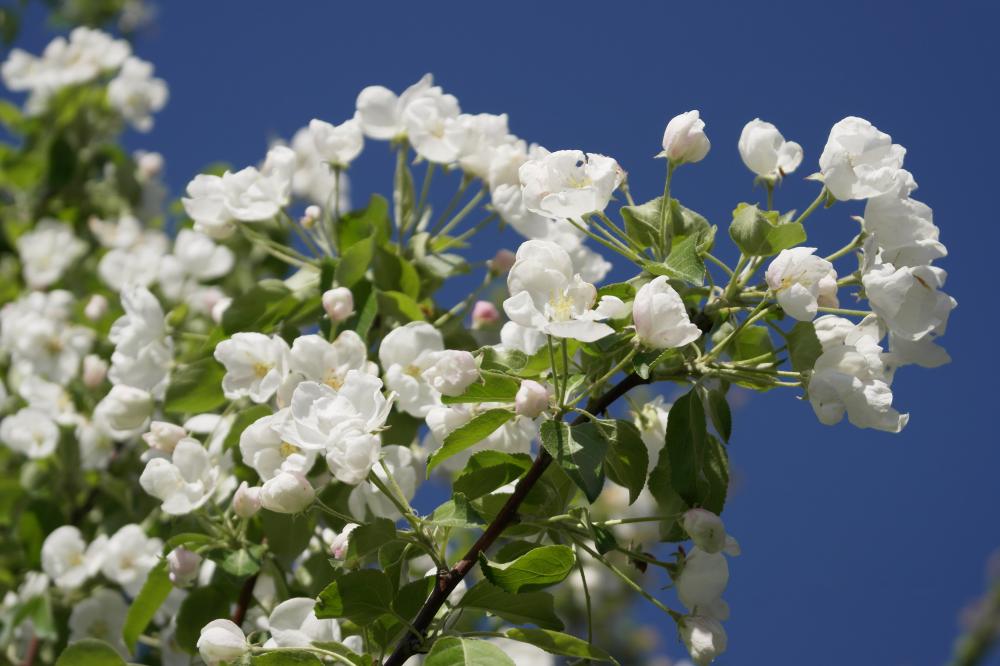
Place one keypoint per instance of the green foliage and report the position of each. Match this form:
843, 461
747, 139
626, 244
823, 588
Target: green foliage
195, 388
556, 642
525, 608
580, 451
627, 459
763, 233
488, 470
537, 569
200, 606
90, 652
466, 652
479, 428
360, 596
492, 387
803, 346
152, 595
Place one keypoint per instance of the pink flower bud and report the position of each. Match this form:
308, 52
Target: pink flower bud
182, 566
246, 500
502, 261
95, 369
532, 399
338, 547
96, 307
338, 303
484, 313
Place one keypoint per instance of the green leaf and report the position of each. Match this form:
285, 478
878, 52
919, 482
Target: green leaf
716, 471
152, 595
536, 569
642, 223
785, 236
492, 387
195, 388
283, 657
368, 538
287, 536
243, 562
579, 450
90, 652
556, 642
187, 539
358, 225
669, 502
686, 442
749, 230
399, 307
456, 512
453, 651
469, 434
393, 273
260, 308
200, 606
753, 342
685, 262
525, 608
360, 596
627, 459
718, 411
355, 262
488, 470
803, 346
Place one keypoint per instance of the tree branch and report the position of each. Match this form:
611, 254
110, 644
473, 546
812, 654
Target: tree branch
448, 580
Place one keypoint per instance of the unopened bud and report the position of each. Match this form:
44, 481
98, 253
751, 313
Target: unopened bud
338, 546
96, 307
220, 308
502, 262
287, 492
338, 303
531, 400
95, 369
246, 500
484, 313
164, 436
183, 566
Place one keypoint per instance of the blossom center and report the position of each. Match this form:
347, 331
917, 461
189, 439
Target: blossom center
287, 449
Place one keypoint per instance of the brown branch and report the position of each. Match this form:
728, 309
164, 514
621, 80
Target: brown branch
33, 647
448, 580
243, 603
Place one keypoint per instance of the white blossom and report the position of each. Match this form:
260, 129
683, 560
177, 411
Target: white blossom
287, 492
765, 151
338, 145
313, 179
185, 481
684, 138
37, 333
903, 227
704, 638
125, 410
164, 436
143, 350
382, 113
407, 469
404, 355
705, 529
134, 253
101, 616
426, 120
246, 500
477, 138
315, 359
68, 560
256, 365
859, 161
129, 556
569, 183
702, 579
651, 420
908, 299
660, 317
137, 94
195, 258
521, 338
547, 295
264, 450
31, 432
46, 251
802, 282
342, 424
451, 371
293, 623
514, 436
222, 640
338, 303
183, 566
532, 399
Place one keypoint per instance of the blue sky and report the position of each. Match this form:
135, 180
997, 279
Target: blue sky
858, 547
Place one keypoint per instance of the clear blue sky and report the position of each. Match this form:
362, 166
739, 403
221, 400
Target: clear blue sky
859, 547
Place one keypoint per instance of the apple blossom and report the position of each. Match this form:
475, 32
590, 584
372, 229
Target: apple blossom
338, 303
569, 183
293, 623
256, 365
96, 307
338, 545
705, 529
186, 481
195, 258
521, 338
651, 420
315, 359
660, 317
532, 399
404, 355
125, 409
95, 369
136, 94
101, 616
908, 299
314, 180
484, 313
514, 436
451, 371
263, 449
343, 424
222, 640
859, 161
337, 145
30, 431
802, 282
143, 350
684, 138
704, 638
37, 333
502, 261
68, 560
477, 138
129, 555
382, 113
183, 566
47, 251
702, 579
246, 500
765, 151
287, 492
407, 470
164, 436
545, 294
